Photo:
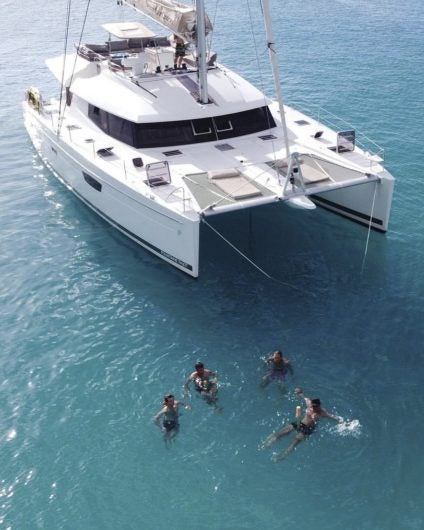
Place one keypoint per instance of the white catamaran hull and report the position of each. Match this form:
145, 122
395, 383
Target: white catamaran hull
154, 144
173, 238
367, 204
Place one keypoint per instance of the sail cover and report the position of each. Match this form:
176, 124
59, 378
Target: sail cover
177, 17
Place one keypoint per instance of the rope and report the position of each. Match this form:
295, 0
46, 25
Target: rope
248, 259
369, 227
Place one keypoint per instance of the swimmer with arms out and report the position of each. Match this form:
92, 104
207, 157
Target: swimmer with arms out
205, 382
280, 366
314, 412
170, 414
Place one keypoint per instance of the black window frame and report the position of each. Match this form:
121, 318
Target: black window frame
182, 132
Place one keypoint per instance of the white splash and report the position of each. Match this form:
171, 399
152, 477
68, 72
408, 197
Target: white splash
349, 428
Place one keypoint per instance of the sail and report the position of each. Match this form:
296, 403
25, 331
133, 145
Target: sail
177, 17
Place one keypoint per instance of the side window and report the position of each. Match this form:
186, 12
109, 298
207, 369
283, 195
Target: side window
183, 132
223, 124
121, 129
92, 181
202, 126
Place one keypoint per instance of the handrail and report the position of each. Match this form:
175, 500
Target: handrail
331, 120
119, 163
184, 199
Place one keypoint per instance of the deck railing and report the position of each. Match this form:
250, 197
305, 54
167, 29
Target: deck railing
336, 123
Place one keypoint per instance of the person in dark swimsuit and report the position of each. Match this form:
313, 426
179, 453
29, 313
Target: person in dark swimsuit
170, 415
180, 51
205, 382
280, 366
305, 427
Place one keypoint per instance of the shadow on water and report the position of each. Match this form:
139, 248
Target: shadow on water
308, 254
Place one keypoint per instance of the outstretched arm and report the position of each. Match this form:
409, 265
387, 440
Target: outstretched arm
326, 414
300, 393
183, 404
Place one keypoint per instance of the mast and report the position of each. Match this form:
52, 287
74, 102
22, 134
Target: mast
275, 70
201, 51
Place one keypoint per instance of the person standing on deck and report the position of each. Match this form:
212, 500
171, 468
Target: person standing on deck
180, 51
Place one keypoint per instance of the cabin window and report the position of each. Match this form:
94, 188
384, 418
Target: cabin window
247, 122
202, 126
121, 129
163, 134
223, 124
167, 134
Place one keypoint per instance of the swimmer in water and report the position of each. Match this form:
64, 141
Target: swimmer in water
170, 414
280, 366
305, 427
205, 382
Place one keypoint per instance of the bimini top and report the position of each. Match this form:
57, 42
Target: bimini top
128, 30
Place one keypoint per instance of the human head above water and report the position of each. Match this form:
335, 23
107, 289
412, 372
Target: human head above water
316, 402
199, 366
278, 354
167, 398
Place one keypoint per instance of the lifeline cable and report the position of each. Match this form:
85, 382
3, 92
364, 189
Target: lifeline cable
248, 259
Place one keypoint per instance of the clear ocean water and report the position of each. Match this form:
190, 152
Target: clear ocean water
94, 330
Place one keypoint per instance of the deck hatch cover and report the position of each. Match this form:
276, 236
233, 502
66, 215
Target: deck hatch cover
175, 152
224, 147
268, 137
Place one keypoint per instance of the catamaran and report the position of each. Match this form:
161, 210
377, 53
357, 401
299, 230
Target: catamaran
156, 149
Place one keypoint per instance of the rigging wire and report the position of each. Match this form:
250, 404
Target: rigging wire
259, 68
75, 62
79, 41
68, 16
213, 25
258, 63
369, 227
286, 284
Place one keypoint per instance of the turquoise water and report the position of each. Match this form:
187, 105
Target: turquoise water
94, 330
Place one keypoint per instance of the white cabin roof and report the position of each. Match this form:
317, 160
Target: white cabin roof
128, 30
160, 98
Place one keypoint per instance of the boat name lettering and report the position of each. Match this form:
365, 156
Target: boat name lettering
176, 260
